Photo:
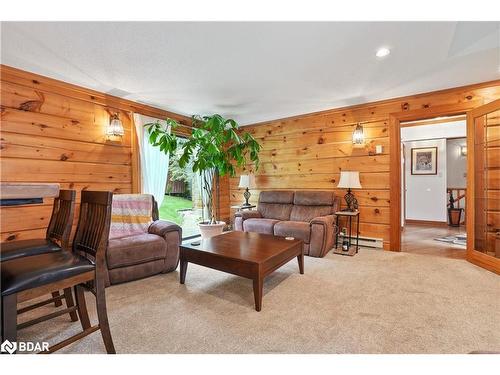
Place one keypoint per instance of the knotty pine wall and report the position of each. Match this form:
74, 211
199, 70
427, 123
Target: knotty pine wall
309, 151
52, 131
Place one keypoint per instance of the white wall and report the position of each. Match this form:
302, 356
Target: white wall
456, 163
426, 196
452, 129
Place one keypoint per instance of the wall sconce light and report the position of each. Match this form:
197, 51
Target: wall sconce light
463, 150
358, 136
115, 127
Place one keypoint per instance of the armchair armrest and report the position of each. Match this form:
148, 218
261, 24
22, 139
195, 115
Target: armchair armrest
162, 227
248, 214
172, 234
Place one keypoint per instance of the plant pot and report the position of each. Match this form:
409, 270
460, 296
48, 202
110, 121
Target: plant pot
210, 230
454, 216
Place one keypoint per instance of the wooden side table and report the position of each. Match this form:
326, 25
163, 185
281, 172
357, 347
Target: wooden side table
349, 215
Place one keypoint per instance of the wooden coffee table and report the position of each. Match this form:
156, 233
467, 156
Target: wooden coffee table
249, 255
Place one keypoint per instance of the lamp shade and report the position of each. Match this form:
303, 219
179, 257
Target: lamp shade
349, 180
358, 136
115, 127
246, 181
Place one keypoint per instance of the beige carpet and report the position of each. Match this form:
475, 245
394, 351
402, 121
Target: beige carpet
375, 302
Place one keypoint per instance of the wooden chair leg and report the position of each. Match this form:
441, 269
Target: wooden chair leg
82, 307
57, 302
68, 296
9, 318
103, 317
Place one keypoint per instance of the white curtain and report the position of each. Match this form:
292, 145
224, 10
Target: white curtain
154, 163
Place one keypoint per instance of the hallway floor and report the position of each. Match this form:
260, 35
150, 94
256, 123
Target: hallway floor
420, 239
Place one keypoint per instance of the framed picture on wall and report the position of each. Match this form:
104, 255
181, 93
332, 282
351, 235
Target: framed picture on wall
424, 161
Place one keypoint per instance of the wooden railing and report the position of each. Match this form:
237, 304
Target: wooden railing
459, 195
459, 199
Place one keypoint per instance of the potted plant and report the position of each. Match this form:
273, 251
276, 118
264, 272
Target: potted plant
214, 148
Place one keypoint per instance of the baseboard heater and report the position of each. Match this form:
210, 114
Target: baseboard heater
376, 243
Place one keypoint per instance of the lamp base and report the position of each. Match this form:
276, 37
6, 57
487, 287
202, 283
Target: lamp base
246, 194
351, 201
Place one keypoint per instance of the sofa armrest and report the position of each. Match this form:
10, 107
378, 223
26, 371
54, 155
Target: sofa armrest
248, 214
322, 235
162, 227
327, 220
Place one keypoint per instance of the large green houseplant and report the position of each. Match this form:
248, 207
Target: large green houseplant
214, 148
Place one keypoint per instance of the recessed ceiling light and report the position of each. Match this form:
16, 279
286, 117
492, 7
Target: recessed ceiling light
382, 52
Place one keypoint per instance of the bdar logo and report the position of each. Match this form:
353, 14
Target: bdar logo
8, 347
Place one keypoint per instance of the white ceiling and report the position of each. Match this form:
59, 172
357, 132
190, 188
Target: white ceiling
256, 71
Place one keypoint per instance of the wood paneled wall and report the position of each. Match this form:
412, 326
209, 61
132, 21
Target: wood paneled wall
309, 151
52, 131
224, 204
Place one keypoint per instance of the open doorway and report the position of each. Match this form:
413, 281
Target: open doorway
434, 186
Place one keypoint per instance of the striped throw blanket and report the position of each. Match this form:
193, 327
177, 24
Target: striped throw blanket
130, 214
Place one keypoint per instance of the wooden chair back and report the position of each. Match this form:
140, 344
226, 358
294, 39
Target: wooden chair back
155, 215
61, 220
92, 232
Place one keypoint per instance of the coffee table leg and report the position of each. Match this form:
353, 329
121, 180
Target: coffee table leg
258, 284
184, 266
300, 258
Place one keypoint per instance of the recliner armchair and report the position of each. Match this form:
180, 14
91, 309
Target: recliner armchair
140, 245
306, 215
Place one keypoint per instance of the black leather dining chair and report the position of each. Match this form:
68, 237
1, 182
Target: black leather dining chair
30, 277
56, 239
56, 236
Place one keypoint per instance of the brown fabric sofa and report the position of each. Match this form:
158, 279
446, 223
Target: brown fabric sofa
307, 215
144, 254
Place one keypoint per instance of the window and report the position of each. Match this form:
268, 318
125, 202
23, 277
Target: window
182, 203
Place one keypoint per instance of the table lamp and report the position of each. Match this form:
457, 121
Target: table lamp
246, 181
350, 180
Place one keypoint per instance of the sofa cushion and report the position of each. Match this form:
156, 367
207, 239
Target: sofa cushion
297, 229
307, 213
276, 196
314, 198
265, 226
275, 204
142, 248
275, 211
